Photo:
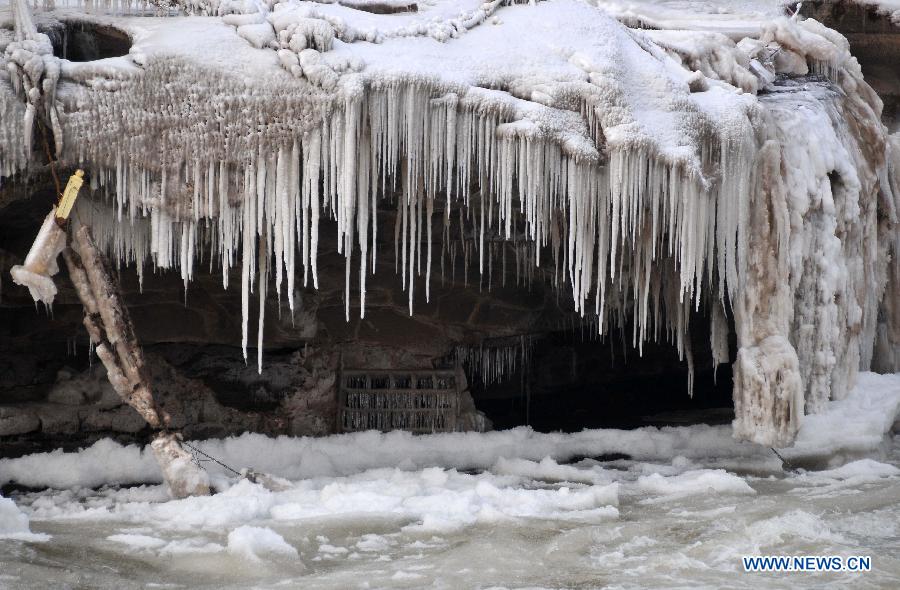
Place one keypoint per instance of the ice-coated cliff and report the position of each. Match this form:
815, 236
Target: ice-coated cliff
741, 166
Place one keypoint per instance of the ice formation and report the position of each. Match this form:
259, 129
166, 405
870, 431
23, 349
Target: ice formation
14, 521
250, 542
744, 170
42, 261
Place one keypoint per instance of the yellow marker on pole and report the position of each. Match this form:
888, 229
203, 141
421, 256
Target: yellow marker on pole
69, 195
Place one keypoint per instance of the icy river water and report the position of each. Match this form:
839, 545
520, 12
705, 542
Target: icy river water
522, 523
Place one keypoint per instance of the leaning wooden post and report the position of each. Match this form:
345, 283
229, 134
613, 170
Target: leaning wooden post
109, 326
110, 329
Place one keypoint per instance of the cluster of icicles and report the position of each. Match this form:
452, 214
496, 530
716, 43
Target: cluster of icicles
603, 225
12, 137
495, 361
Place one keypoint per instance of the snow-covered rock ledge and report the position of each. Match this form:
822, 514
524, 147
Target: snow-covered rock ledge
847, 429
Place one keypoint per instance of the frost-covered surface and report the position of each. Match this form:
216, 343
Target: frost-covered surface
646, 166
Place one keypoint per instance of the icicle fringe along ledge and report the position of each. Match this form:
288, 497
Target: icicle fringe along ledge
655, 189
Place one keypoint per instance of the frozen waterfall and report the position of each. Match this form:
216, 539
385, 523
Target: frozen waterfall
655, 172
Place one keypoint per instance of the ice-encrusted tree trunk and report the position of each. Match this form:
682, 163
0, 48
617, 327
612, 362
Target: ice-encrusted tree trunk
109, 326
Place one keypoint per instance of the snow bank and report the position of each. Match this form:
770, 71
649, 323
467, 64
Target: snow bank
14, 523
104, 462
857, 424
108, 462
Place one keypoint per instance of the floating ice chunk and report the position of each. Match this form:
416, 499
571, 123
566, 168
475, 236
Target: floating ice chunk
106, 461
373, 543
254, 543
692, 483
854, 473
549, 470
193, 546
332, 550
12, 520
14, 523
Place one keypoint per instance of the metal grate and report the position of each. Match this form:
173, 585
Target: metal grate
418, 401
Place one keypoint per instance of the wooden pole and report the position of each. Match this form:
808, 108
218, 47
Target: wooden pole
109, 326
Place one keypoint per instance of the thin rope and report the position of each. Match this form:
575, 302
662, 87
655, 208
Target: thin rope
784, 461
210, 458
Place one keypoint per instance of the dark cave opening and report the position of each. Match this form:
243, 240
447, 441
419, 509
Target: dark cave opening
574, 381
80, 41
382, 7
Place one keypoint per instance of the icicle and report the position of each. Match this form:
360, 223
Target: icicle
248, 236
363, 220
263, 282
